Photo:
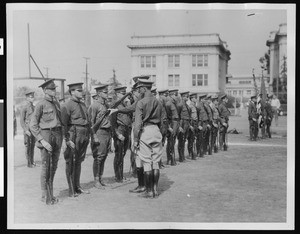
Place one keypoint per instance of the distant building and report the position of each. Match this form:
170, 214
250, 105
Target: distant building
277, 44
197, 63
243, 86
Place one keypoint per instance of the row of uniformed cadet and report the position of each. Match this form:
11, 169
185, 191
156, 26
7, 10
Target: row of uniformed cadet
70, 126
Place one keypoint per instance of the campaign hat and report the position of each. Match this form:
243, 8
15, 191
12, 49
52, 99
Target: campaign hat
223, 96
75, 86
49, 84
162, 91
193, 95
144, 83
173, 91
141, 77
102, 88
29, 93
153, 90
184, 92
203, 95
121, 88
214, 97
254, 96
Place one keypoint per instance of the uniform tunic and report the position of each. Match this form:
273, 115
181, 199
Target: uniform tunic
147, 121
46, 125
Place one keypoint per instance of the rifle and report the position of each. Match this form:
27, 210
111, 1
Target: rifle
115, 105
71, 174
48, 178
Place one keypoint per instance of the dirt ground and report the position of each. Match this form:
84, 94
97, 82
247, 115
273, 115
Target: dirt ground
247, 183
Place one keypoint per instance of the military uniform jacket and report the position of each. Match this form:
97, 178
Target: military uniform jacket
215, 112
269, 112
26, 114
162, 101
171, 108
148, 111
252, 111
72, 115
224, 112
202, 114
99, 108
47, 115
208, 111
194, 113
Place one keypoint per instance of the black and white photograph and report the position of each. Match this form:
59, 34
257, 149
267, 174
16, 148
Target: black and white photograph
151, 116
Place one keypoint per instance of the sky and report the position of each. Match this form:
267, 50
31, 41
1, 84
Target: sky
59, 39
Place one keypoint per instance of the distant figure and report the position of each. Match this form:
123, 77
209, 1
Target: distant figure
15, 122
275, 103
253, 118
29, 139
269, 116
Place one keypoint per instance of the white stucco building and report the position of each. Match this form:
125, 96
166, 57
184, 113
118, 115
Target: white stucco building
242, 86
277, 43
195, 63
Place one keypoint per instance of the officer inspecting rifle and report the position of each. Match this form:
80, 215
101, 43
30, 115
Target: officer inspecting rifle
46, 126
184, 124
29, 139
76, 135
224, 119
147, 137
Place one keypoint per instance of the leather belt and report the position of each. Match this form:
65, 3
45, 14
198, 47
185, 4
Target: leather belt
52, 129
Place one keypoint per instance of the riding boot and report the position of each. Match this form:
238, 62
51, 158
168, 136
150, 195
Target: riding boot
133, 165
141, 183
155, 182
102, 161
179, 147
116, 169
97, 183
215, 149
78, 188
72, 192
149, 185
54, 200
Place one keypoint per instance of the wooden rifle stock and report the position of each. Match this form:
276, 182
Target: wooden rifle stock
117, 103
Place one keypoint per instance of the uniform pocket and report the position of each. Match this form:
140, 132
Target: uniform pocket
48, 115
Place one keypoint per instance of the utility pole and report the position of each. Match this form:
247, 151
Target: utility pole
87, 97
47, 68
29, 51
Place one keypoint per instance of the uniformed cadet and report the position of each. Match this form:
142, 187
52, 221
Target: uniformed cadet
173, 118
29, 139
215, 122
207, 101
269, 115
262, 115
136, 163
193, 126
224, 119
93, 145
76, 135
46, 126
154, 91
184, 124
103, 134
121, 124
147, 137
162, 98
202, 126
252, 117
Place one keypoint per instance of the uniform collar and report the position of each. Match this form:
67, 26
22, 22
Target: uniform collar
101, 100
75, 100
50, 99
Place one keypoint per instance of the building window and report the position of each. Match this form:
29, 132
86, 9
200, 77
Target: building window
199, 60
148, 61
234, 92
248, 92
245, 82
173, 61
174, 80
240, 92
229, 92
199, 79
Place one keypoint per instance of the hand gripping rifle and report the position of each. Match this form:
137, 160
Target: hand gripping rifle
115, 105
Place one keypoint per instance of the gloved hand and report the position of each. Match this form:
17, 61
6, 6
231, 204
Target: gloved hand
95, 138
200, 128
192, 128
170, 130
112, 111
28, 133
46, 145
215, 125
180, 129
120, 137
225, 124
254, 119
135, 145
70, 144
